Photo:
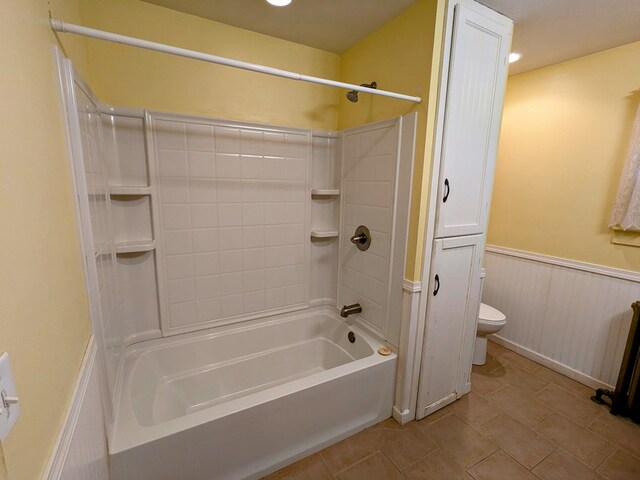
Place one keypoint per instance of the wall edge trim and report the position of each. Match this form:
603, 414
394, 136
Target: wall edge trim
412, 287
60, 450
567, 263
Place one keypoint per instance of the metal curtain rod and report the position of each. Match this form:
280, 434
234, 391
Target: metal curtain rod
60, 26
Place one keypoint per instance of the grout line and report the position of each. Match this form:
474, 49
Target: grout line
437, 450
375, 452
616, 449
557, 447
482, 459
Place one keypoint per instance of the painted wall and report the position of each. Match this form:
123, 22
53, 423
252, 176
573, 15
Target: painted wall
564, 138
399, 57
138, 78
43, 309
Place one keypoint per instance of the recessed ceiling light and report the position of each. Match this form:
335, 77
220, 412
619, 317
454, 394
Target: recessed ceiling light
279, 3
514, 57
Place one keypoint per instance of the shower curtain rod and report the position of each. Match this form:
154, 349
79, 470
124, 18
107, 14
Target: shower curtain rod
60, 26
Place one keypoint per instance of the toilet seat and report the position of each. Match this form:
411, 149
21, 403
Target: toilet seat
488, 314
490, 320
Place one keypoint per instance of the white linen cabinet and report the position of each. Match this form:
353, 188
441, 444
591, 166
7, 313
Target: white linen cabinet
475, 65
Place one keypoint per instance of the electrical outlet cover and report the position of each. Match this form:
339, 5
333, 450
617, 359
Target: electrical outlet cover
8, 415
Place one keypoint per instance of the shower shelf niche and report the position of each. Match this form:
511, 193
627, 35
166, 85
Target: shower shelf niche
126, 190
325, 192
317, 233
135, 247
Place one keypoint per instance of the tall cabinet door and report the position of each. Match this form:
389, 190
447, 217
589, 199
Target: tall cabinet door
477, 73
450, 331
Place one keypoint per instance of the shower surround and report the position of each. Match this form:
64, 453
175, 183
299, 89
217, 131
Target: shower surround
219, 251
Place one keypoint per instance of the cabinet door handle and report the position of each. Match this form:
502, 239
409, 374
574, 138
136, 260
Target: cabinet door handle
437, 285
447, 190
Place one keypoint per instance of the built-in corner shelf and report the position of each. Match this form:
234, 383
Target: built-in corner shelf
324, 233
325, 192
127, 190
136, 247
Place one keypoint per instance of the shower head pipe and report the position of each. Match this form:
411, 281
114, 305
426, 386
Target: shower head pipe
63, 27
352, 95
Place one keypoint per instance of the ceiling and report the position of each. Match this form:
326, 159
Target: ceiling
546, 31
552, 31
333, 25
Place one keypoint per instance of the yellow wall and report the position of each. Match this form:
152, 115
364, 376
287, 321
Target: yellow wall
565, 133
43, 310
139, 78
399, 57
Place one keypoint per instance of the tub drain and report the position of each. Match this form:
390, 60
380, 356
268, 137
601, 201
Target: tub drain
352, 337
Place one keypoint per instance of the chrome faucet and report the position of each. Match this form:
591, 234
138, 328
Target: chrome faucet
350, 310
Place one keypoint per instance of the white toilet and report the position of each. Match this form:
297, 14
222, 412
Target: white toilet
490, 320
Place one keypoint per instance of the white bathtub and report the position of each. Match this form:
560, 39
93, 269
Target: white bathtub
241, 402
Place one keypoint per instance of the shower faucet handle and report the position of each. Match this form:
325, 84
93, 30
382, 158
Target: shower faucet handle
362, 238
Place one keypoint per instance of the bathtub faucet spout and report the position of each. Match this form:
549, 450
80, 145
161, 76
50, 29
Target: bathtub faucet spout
350, 310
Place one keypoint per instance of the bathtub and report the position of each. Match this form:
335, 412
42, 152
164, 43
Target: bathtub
241, 402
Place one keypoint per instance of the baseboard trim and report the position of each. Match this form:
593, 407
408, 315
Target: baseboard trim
54, 468
550, 363
567, 263
403, 417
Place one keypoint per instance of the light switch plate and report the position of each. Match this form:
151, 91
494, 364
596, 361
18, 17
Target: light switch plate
9, 414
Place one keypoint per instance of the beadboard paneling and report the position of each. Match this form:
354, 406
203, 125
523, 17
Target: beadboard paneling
80, 452
574, 314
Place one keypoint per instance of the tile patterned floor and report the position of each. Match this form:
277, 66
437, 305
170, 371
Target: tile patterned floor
521, 421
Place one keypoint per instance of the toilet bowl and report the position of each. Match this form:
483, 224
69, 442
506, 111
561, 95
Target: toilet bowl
490, 320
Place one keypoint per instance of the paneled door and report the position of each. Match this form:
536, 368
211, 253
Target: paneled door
452, 312
477, 73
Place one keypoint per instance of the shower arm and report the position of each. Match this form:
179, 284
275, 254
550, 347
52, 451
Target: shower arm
60, 26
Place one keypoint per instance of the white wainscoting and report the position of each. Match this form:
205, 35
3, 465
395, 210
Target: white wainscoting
80, 451
572, 316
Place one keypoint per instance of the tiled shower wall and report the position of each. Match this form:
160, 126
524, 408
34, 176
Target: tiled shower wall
369, 173
232, 217
111, 333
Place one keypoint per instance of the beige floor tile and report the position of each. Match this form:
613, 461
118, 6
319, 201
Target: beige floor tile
347, 452
581, 411
520, 406
307, 468
585, 445
493, 367
621, 466
512, 358
436, 466
375, 467
403, 446
484, 385
523, 381
474, 409
518, 440
568, 384
493, 347
437, 415
500, 466
460, 441
390, 423
619, 431
561, 465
